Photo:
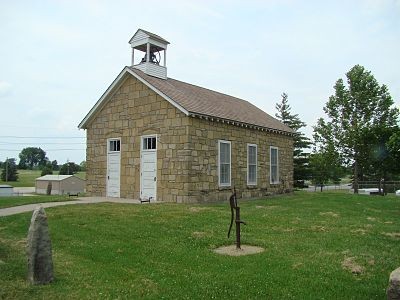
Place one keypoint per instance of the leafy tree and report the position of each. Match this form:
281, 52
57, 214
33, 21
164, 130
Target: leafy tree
301, 170
393, 145
83, 165
354, 108
380, 163
54, 165
32, 157
326, 166
9, 170
69, 168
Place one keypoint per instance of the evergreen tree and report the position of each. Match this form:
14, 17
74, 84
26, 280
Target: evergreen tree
9, 170
301, 170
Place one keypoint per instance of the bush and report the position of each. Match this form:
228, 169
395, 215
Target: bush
47, 170
69, 168
300, 184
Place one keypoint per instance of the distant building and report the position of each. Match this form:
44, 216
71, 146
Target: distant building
6, 190
60, 184
154, 137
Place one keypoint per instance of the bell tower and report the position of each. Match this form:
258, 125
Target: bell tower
154, 48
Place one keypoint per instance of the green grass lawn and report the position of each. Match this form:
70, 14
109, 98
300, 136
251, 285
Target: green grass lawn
27, 178
15, 201
312, 243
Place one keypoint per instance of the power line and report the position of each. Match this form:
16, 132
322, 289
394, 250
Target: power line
46, 149
41, 137
25, 126
40, 143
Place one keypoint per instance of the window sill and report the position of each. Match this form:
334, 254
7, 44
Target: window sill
224, 188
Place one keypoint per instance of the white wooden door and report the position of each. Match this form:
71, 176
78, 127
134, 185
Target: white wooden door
113, 167
148, 169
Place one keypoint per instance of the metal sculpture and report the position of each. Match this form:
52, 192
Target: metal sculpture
235, 214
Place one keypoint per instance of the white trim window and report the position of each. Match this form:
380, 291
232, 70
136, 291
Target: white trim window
149, 142
274, 165
114, 145
251, 164
224, 163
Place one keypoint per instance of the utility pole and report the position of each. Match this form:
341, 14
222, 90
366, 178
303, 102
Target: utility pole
7, 169
68, 166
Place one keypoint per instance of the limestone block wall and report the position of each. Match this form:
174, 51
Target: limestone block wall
135, 110
204, 136
187, 150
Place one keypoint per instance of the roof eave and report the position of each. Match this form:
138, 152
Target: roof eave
241, 124
99, 104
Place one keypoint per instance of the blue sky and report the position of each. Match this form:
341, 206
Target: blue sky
58, 57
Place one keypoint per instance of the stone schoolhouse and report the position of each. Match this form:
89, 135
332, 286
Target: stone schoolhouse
154, 137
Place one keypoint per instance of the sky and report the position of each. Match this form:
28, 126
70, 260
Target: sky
58, 57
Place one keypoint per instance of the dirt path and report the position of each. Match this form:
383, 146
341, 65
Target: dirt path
86, 200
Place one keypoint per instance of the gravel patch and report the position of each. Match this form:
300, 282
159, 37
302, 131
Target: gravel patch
232, 251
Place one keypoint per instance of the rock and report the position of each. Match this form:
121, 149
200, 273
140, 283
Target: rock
40, 261
393, 290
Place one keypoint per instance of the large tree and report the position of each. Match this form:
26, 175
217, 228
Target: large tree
301, 143
9, 170
31, 157
350, 112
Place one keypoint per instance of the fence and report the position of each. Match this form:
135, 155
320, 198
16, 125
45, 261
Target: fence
389, 186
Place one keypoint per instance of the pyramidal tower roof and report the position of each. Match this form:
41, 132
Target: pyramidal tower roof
154, 48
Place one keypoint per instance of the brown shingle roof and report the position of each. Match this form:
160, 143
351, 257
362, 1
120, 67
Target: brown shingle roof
206, 102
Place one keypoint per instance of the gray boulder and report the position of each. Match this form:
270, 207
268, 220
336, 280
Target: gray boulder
40, 261
393, 291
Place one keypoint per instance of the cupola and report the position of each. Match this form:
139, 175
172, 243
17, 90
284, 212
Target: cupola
154, 50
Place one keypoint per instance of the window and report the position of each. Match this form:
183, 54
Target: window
224, 163
114, 145
251, 164
149, 143
274, 165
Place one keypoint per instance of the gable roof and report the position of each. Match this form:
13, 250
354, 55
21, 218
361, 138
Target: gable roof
55, 177
193, 100
152, 35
